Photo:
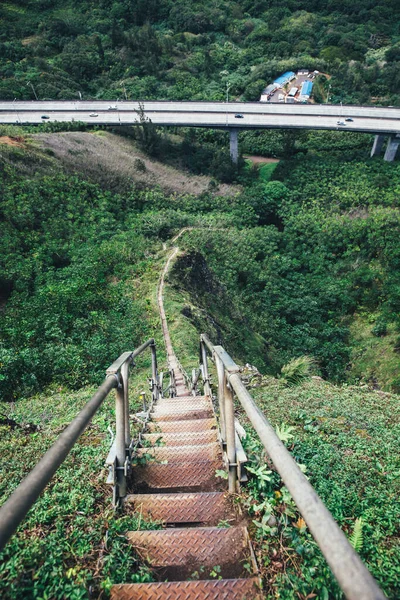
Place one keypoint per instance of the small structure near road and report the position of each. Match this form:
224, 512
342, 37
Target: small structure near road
279, 83
277, 91
306, 90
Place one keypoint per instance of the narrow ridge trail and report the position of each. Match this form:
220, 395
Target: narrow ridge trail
172, 361
204, 550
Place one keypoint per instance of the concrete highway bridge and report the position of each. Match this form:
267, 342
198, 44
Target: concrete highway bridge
383, 122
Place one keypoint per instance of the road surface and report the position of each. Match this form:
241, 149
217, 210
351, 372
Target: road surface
369, 119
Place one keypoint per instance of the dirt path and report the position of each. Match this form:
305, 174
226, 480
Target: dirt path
258, 160
172, 361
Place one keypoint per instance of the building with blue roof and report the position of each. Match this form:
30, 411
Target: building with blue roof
306, 90
285, 78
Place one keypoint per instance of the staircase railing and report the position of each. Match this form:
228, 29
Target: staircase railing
353, 577
25, 495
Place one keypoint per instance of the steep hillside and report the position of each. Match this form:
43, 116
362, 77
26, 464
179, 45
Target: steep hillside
295, 259
183, 50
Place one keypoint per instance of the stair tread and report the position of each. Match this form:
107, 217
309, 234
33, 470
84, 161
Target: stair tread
187, 398
182, 414
203, 507
179, 553
165, 405
186, 438
183, 426
199, 452
222, 589
192, 474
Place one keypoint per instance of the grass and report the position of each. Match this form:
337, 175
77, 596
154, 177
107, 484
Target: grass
71, 541
347, 438
374, 358
71, 544
266, 171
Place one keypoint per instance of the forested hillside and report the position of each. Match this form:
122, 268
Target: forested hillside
296, 256
191, 50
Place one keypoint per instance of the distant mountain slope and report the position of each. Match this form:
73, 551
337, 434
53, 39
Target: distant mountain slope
197, 50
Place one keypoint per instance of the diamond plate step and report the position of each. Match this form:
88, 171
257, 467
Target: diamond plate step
181, 405
181, 476
207, 508
177, 554
223, 589
183, 426
181, 414
175, 453
181, 439
178, 399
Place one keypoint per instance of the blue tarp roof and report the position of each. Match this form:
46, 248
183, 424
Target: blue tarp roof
306, 88
285, 77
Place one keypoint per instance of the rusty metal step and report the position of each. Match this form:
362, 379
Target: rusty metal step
180, 439
166, 406
181, 406
208, 508
181, 415
183, 426
178, 399
223, 589
176, 453
178, 476
178, 554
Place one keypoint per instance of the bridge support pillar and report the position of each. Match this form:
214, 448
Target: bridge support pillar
377, 145
391, 148
234, 144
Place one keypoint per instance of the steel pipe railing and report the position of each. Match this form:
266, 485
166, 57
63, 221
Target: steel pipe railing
14, 510
353, 577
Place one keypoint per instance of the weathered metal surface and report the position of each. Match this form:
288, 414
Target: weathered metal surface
25, 495
121, 360
223, 589
183, 426
183, 476
179, 405
184, 415
208, 508
175, 453
177, 400
353, 577
187, 438
227, 361
179, 553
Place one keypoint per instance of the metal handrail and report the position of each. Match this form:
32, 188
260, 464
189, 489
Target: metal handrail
353, 577
14, 510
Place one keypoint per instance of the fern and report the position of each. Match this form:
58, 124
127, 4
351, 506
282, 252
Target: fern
297, 369
356, 538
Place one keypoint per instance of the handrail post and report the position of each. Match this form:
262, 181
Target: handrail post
120, 437
154, 373
125, 387
221, 400
204, 363
230, 436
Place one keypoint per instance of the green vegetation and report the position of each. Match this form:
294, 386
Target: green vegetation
295, 269
71, 544
164, 49
346, 439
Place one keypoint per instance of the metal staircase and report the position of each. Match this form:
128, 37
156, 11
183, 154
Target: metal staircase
169, 475
179, 488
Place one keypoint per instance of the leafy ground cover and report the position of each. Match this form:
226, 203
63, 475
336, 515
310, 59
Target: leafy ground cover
71, 544
286, 267
346, 438
183, 50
